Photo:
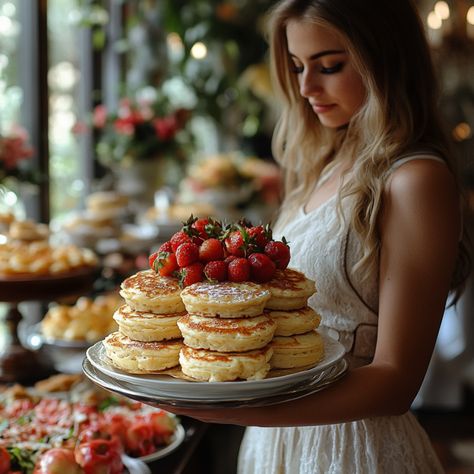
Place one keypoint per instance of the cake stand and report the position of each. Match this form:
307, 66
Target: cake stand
17, 363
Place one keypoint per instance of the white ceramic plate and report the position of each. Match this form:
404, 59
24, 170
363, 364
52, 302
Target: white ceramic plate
167, 386
149, 397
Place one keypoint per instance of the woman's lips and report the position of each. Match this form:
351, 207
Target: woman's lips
321, 109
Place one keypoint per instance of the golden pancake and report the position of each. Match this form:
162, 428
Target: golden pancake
225, 300
294, 321
138, 357
226, 335
297, 351
148, 291
289, 289
212, 366
146, 326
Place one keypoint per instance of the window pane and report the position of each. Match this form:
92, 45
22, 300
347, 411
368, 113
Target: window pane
63, 81
11, 94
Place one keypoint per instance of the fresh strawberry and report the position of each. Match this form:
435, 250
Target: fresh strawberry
279, 252
262, 268
237, 242
179, 238
165, 264
216, 270
191, 274
200, 226
152, 258
211, 249
187, 253
229, 258
260, 236
166, 247
213, 228
238, 270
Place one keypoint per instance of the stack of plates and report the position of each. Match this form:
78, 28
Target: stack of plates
163, 390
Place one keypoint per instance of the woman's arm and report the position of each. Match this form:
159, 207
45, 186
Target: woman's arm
419, 228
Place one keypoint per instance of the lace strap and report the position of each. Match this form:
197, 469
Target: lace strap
419, 155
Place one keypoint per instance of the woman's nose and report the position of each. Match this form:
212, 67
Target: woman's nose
309, 85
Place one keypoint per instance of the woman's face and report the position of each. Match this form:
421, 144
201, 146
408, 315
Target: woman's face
326, 76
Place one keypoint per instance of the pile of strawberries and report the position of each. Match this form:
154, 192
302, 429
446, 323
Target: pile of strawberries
206, 249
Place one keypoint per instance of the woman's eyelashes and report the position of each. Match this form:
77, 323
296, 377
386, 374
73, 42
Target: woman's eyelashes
333, 69
297, 69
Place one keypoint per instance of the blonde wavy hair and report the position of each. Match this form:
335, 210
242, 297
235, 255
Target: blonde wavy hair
386, 43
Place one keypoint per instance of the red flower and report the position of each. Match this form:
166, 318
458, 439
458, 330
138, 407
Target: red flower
125, 126
166, 127
13, 149
140, 129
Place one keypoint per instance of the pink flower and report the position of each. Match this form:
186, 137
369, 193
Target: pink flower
99, 118
125, 107
79, 128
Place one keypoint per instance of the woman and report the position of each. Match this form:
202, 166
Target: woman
372, 215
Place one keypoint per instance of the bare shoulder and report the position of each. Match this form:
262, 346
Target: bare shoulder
422, 181
421, 199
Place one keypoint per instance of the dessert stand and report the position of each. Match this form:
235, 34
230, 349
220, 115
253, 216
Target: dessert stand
17, 363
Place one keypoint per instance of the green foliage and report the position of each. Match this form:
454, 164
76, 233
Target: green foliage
232, 33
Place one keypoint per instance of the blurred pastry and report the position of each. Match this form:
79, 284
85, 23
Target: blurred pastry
28, 231
40, 258
138, 357
106, 204
146, 326
58, 383
226, 335
180, 212
106, 199
295, 321
289, 289
87, 320
6, 219
225, 300
147, 291
297, 351
85, 228
212, 366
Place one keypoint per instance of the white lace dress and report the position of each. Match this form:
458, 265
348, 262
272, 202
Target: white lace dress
324, 249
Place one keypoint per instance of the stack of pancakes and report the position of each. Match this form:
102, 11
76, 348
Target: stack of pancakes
296, 344
226, 333
148, 339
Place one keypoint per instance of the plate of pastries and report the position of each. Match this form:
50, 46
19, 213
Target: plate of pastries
26, 253
33, 267
67, 330
218, 318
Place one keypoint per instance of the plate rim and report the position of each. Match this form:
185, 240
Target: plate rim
179, 435
32, 330
78, 272
280, 397
176, 384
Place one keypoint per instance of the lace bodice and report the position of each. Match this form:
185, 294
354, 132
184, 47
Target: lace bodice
323, 248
